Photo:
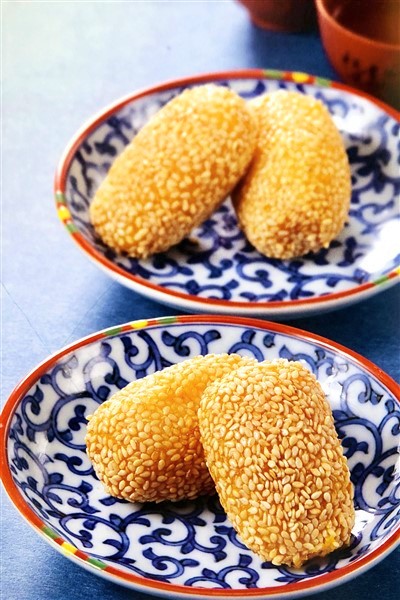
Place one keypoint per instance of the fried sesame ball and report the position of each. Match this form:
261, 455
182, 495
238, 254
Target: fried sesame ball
278, 465
295, 196
175, 172
144, 442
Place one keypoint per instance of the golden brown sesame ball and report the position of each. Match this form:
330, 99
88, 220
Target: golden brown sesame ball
295, 197
278, 465
144, 442
175, 172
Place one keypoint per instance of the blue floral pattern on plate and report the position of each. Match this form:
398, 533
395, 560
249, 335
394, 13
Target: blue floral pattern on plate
192, 543
216, 261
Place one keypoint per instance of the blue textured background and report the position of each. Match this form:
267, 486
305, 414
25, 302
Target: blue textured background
61, 63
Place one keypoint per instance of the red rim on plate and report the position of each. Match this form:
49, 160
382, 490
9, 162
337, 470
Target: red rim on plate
113, 573
364, 290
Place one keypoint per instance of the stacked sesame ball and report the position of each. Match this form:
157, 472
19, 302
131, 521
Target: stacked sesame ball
263, 433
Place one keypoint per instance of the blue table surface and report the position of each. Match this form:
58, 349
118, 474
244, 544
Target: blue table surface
63, 61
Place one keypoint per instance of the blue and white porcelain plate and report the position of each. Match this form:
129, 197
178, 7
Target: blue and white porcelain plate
190, 548
216, 268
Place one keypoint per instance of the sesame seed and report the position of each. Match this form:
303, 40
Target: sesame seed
287, 489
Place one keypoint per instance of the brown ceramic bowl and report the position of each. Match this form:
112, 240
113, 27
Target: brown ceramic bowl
362, 41
281, 15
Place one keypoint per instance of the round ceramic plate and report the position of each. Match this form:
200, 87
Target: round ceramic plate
216, 268
190, 548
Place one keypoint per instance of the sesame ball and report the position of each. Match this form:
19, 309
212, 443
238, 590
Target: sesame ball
175, 172
278, 465
295, 197
144, 442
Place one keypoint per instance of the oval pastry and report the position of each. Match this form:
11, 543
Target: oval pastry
272, 449
295, 197
175, 172
144, 442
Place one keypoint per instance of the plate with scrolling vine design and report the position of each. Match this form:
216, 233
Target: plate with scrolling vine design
189, 549
216, 269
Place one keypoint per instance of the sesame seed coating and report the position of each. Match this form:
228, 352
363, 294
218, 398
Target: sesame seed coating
175, 172
144, 442
295, 196
278, 465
